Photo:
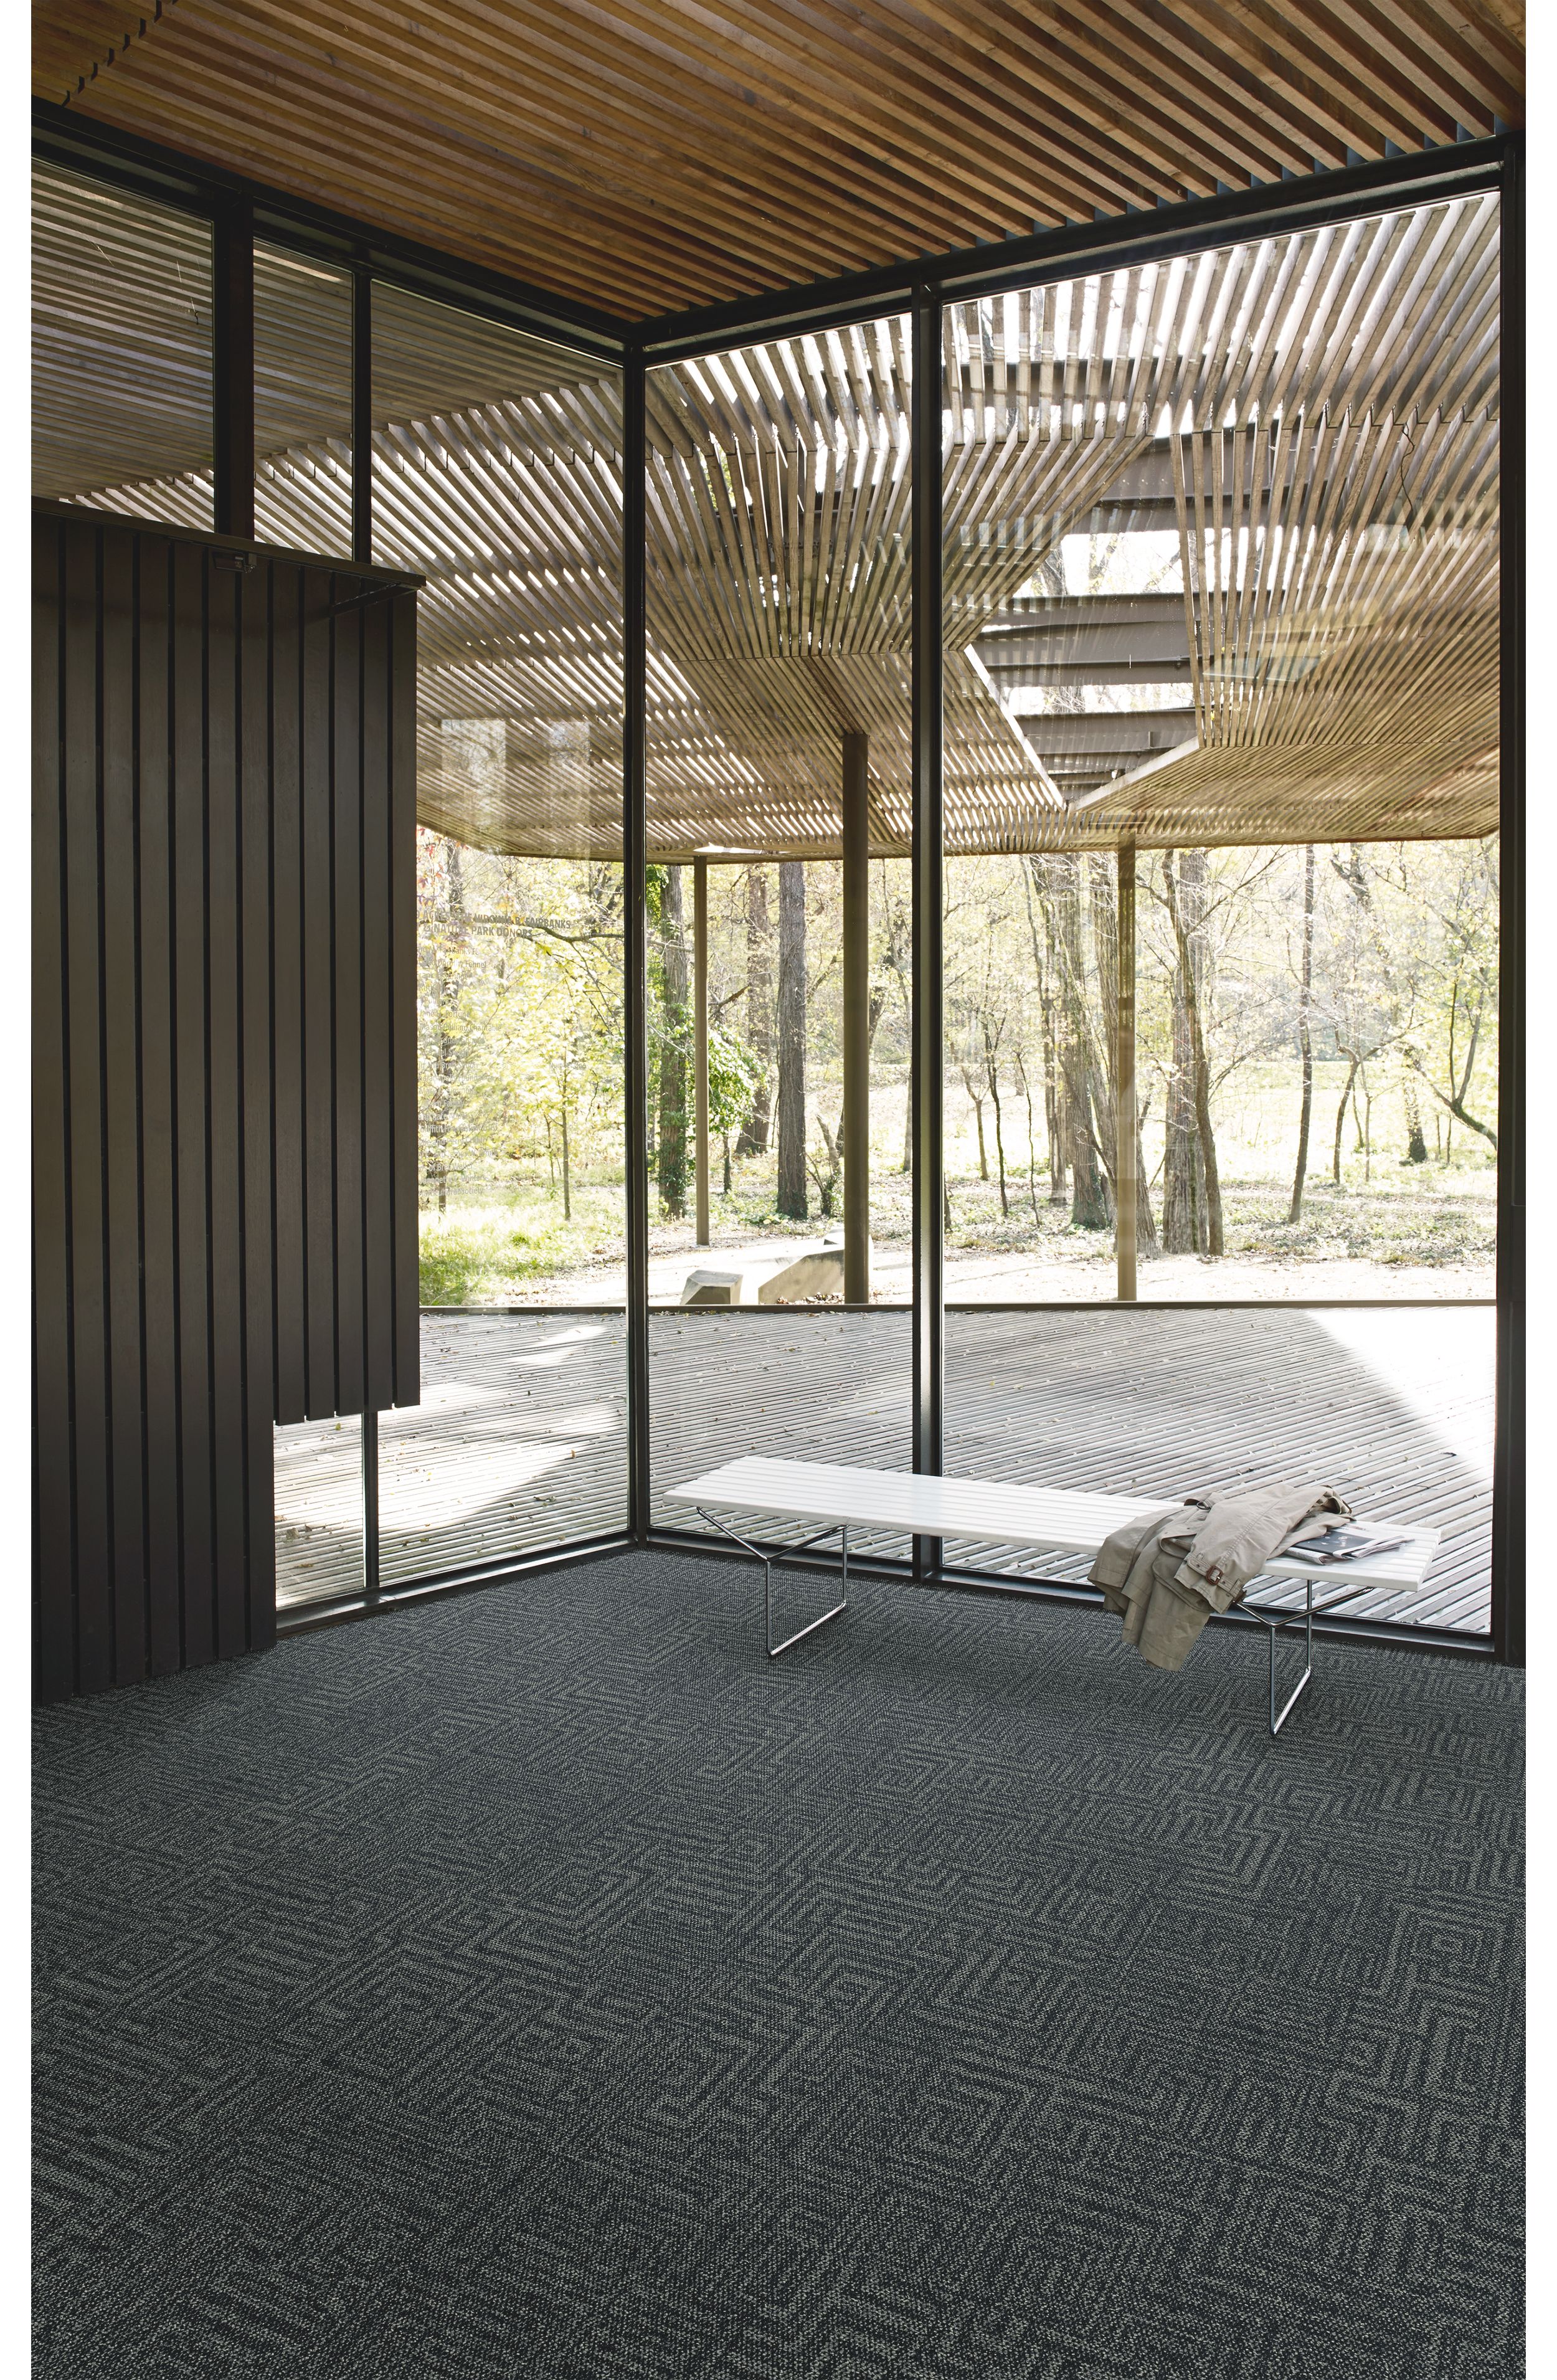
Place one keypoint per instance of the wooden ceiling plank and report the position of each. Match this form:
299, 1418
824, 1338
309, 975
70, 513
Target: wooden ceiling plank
678, 161
1104, 57
1421, 41
1094, 80
834, 86
1214, 77
669, 171
950, 73
1352, 83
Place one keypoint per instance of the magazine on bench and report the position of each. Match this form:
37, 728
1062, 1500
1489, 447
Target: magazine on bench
1348, 1543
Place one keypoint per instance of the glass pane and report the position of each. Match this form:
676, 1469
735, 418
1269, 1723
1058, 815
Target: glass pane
519, 1440
121, 351
497, 473
1222, 561
779, 899
302, 402
1394, 1406
318, 1542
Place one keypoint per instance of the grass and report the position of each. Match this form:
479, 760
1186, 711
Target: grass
505, 1238
479, 1255
1432, 1215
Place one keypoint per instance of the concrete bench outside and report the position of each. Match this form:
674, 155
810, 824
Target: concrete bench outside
1060, 1520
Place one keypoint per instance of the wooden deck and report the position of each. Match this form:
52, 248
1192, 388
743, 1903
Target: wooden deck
521, 1439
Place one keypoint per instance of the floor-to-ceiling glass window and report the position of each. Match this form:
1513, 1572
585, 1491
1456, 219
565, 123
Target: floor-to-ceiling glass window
496, 474
1222, 878
778, 1117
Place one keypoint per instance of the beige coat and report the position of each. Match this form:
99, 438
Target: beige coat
1167, 1574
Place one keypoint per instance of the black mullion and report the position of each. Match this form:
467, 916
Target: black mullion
928, 1264
635, 964
1508, 1461
233, 370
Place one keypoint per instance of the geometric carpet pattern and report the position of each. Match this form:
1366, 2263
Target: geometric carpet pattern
543, 1985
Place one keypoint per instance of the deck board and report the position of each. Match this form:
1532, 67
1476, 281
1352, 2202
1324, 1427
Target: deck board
521, 1438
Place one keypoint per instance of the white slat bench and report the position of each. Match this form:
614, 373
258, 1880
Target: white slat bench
1060, 1520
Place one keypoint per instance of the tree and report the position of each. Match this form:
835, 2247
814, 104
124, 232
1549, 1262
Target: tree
1191, 1186
792, 1197
755, 1125
674, 1051
1305, 1036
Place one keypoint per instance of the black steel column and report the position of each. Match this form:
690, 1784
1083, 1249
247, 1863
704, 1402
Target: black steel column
361, 414
232, 338
634, 961
1508, 1461
928, 1068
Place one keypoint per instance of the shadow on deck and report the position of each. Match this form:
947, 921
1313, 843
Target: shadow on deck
521, 1439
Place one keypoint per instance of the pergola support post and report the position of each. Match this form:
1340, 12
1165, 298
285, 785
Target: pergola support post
700, 1039
857, 1021
1124, 1116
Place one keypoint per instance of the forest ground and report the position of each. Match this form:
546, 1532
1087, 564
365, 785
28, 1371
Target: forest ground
1413, 1230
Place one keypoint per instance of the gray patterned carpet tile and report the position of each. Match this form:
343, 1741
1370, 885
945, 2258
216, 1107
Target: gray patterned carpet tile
543, 1983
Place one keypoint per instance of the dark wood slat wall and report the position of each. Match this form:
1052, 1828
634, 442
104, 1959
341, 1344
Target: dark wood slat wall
224, 1070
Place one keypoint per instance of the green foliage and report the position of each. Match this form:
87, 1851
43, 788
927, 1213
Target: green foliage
493, 1255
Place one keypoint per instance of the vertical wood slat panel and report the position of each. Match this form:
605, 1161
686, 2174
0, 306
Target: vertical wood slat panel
54, 1627
378, 1014
191, 1122
85, 1078
318, 996
224, 927
287, 1123
122, 1102
345, 916
223, 1072
256, 1112
159, 1253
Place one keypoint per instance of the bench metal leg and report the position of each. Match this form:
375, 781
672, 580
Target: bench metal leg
767, 1556
1278, 1720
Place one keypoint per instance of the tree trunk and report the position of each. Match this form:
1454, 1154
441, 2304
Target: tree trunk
993, 1072
1415, 1140
1091, 1204
1105, 937
754, 1131
976, 1102
792, 1199
1341, 1119
1032, 1151
1191, 1189
1306, 1040
673, 1048
1036, 880
566, 1173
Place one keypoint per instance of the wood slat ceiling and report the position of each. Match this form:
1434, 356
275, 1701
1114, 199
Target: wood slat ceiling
639, 156
1306, 425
